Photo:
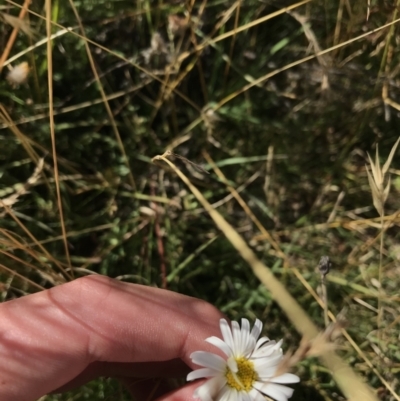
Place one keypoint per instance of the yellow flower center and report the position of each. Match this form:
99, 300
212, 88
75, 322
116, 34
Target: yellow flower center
243, 379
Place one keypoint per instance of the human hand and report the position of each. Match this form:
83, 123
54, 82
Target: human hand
95, 326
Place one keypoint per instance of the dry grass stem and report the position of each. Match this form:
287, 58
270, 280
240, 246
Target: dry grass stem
14, 33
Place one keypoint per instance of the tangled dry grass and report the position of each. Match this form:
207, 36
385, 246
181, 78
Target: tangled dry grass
269, 111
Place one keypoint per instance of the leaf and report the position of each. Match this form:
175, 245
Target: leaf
278, 46
386, 191
375, 171
376, 199
18, 23
385, 167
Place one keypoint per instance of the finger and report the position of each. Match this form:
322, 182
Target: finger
166, 369
49, 338
150, 390
182, 394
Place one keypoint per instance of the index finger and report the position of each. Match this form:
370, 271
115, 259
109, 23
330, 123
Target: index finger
48, 338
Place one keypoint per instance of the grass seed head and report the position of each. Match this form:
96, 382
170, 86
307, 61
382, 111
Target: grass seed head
18, 74
177, 25
376, 179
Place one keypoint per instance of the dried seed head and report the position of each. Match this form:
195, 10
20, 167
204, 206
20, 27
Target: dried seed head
177, 25
324, 265
18, 74
23, 189
376, 179
158, 47
147, 212
158, 44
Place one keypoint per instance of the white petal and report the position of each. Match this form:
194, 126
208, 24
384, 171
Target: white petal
233, 395
232, 364
286, 378
208, 360
202, 394
245, 336
236, 333
249, 342
209, 390
224, 394
262, 363
265, 373
248, 351
244, 396
223, 346
226, 333
278, 345
204, 372
276, 391
245, 325
257, 328
268, 349
273, 355
256, 395
261, 342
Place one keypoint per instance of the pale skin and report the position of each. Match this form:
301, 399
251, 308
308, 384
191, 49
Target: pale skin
95, 326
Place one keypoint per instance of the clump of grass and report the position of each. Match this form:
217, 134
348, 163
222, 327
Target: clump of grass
380, 188
376, 178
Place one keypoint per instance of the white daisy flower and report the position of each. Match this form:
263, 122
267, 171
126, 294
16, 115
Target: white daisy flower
247, 373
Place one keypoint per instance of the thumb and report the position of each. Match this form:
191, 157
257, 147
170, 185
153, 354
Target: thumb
159, 390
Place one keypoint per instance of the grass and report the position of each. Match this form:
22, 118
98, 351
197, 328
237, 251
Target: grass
279, 105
